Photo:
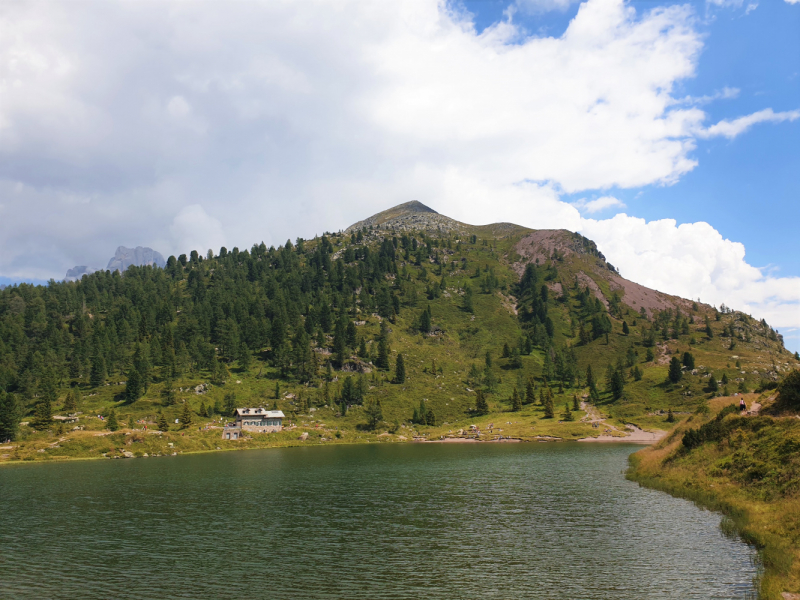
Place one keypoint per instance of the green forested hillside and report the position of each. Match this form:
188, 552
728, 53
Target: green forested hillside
531, 322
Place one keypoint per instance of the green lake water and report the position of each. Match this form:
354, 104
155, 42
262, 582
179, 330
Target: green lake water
547, 521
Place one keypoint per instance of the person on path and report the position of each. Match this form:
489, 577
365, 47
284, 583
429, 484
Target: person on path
742, 405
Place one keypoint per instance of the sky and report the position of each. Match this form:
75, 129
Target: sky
667, 133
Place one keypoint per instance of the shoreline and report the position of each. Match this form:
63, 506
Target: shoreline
637, 436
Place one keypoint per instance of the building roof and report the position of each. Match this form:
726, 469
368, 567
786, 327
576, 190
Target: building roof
260, 412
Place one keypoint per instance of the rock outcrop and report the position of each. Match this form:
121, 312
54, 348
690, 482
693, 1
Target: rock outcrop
139, 257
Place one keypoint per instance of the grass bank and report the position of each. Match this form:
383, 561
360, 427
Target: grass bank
748, 468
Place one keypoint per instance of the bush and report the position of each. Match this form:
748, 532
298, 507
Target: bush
713, 431
789, 390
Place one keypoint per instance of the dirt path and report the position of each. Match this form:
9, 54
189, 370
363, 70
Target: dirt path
631, 433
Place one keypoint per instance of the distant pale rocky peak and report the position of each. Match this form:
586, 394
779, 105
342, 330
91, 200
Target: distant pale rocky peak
139, 257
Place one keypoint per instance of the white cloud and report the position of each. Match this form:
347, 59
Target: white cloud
726, 93
193, 229
599, 204
730, 129
693, 260
793, 1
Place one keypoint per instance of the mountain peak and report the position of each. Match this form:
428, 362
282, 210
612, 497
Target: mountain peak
408, 216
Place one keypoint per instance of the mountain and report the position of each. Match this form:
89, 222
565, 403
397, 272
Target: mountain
537, 321
122, 259
139, 256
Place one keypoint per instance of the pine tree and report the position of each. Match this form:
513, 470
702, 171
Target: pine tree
186, 416
625, 328
244, 357
97, 376
202, 412
549, 408
568, 416
591, 384
168, 393
430, 418
469, 304
481, 406
229, 403
10, 413
575, 404
713, 386
70, 404
382, 361
374, 412
43, 414
277, 390
111, 422
670, 416
516, 403
530, 395
141, 362
133, 387
617, 384
425, 321
400, 370
163, 424
675, 373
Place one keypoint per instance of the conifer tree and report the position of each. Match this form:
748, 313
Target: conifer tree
229, 403
277, 390
43, 413
549, 408
245, 358
133, 387
97, 376
202, 412
713, 386
469, 304
168, 393
481, 406
111, 422
382, 361
400, 370
186, 416
568, 416
530, 395
575, 404
10, 413
374, 412
516, 403
675, 373
617, 384
625, 328
430, 417
591, 384
425, 321
70, 405
163, 424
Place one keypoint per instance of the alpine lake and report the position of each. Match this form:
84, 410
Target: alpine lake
388, 521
